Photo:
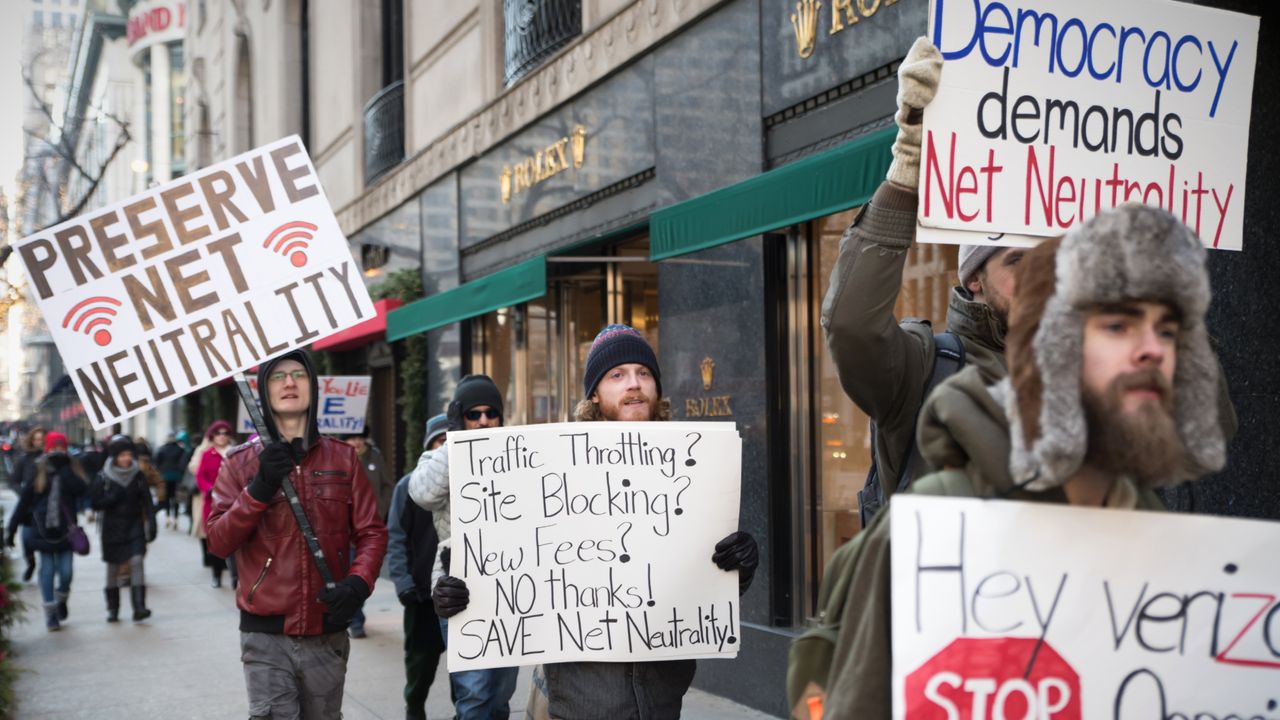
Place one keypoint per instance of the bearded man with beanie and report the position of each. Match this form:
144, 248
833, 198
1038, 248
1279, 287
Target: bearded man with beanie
1113, 391
621, 382
293, 638
477, 403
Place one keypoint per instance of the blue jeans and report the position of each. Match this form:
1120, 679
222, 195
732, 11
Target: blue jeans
51, 563
481, 694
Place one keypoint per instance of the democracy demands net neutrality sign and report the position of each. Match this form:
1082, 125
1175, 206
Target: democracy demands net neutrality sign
185, 284
1049, 112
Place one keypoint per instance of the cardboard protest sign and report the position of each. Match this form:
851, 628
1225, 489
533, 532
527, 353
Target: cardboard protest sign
185, 284
593, 541
1008, 609
344, 401
1049, 112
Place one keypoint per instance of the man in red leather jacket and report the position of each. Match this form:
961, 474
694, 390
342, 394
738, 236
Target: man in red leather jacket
293, 638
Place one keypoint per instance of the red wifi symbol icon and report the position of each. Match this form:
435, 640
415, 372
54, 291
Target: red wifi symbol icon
97, 313
292, 239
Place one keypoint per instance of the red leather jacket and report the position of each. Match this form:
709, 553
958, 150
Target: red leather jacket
278, 579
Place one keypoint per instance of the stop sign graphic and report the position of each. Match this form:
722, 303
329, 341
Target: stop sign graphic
987, 679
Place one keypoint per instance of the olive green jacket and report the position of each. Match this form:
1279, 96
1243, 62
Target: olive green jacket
883, 364
964, 429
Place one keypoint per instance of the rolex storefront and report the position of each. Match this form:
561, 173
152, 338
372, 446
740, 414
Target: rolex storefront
698, 194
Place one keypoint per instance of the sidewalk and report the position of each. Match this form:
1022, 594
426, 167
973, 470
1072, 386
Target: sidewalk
184, 662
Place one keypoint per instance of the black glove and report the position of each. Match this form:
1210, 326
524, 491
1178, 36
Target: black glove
344, 599
410, 597
738, 552
454, 414
275, 462
451, 596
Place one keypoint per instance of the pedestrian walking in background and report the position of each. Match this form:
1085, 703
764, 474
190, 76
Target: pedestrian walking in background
48, 504
91, 460
195, 499
169, 461
220, 441
477, 403
293, 639
411, 552
126, 517
380, 478
24, 472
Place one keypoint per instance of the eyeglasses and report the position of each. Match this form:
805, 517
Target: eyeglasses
279, 376
474, 415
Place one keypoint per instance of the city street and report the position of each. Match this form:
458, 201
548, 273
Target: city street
183, 662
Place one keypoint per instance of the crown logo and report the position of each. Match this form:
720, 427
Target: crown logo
506, 185
708, 367
805, 22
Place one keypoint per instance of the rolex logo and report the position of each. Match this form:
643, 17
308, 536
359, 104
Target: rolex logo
578, 146
805, 22
505, 182
708, 367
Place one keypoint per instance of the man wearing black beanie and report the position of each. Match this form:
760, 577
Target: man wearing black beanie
621, 382
477, 403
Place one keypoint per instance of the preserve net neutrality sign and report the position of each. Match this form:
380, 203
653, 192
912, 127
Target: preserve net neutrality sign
188, 283
1008, 609
593, 541
1049, 112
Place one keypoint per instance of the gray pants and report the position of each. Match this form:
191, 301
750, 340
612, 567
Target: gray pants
295, 678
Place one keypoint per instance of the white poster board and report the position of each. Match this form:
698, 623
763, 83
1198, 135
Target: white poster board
188, 283
1050, 111
344, 401
593, 541
1008, 609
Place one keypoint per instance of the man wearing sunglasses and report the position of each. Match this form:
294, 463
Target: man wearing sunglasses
293, 638
477, 403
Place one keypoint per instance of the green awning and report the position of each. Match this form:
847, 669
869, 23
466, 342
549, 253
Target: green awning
835, 180
519, 283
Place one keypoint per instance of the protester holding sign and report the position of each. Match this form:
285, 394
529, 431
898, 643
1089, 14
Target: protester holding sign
293, 638
477, 403
1113, 390
621, 382
127, 519
884, 366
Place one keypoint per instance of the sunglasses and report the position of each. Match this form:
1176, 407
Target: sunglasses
474, 415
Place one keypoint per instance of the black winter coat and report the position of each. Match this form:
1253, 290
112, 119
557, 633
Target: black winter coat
126, 516
33, 507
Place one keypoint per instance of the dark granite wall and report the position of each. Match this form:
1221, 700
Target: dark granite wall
1245, 285
709, 132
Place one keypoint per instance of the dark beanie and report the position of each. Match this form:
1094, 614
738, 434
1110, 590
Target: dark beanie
119, 444
473, 390
618, 345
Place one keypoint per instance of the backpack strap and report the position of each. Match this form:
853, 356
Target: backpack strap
948, 359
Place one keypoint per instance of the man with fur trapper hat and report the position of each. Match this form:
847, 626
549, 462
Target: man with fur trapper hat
1113, 390
293, 638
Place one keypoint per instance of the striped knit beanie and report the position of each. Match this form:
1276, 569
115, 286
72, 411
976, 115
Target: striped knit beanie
618, 345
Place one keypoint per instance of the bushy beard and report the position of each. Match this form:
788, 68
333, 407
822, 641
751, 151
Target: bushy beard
1143, 444
613, 411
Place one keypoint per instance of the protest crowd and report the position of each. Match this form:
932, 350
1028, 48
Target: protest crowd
1024, 446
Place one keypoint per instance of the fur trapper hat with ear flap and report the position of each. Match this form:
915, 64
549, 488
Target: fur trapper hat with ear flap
1130, 253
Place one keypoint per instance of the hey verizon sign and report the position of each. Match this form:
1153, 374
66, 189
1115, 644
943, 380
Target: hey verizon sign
183, 285
1007, 609
1049, 112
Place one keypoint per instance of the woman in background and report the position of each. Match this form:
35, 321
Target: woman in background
127, 518
219, 435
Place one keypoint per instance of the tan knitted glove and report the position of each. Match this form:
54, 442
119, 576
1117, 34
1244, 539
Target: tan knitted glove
918, 78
